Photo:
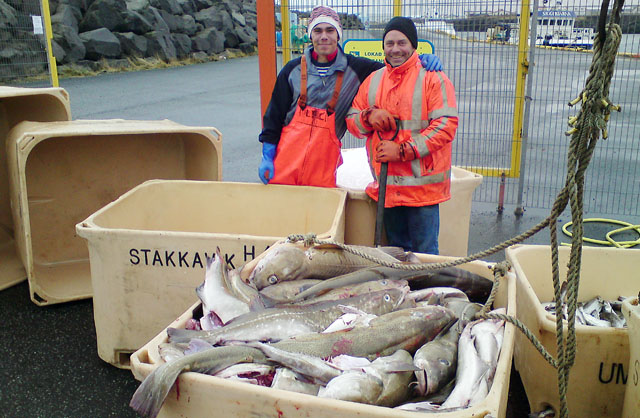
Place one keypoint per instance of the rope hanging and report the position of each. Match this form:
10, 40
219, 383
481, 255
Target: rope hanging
586, 127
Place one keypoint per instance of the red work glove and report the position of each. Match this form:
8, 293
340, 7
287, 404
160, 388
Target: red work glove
381, 120
388, 152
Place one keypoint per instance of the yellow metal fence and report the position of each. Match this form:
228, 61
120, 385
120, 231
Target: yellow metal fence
485, 50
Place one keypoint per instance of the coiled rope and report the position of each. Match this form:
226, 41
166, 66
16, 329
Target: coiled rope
586, 128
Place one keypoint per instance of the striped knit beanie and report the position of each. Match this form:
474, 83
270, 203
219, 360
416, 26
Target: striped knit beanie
324, 14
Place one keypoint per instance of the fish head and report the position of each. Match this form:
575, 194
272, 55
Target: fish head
392, 299
284, 263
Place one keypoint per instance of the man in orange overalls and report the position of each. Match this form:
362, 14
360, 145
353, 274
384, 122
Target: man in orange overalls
409, 117
305, 119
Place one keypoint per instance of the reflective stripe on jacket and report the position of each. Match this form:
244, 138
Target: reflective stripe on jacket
425, 105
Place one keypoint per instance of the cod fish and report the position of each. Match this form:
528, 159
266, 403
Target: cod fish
291, 262
217, 300
406, 329
476, 287
150, 395
287, 379
277, 323
478, 351
383, 382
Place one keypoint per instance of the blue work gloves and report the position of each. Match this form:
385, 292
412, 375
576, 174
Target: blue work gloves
266, 170
430, 62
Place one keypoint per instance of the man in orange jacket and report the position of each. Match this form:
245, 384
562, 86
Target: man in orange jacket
409, 118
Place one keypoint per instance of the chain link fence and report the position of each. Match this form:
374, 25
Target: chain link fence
23, 48
479, 44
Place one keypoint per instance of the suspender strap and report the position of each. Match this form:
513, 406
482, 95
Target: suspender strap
336, 92
302, 101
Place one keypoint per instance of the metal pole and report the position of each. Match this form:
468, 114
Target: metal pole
266, 51
285, 24
48, 35
519, 211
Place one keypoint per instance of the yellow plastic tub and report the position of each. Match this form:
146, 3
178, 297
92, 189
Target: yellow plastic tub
631, 311
62, 172
455, 215
597, 379
19, 104
200, 394
148, 249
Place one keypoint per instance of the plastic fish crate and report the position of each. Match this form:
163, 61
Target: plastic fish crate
597, 379
631, 310
148, 249
199, 394
455, 215
19, 104
62, 172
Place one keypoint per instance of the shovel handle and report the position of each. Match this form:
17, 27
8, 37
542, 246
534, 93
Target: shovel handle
382, 192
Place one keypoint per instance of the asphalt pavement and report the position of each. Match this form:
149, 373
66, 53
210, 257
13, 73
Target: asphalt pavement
50, 366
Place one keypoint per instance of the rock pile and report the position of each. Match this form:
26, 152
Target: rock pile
167, 29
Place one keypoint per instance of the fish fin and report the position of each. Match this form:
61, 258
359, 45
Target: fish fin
411, 258
150, 395
269, 302
396, 252
257, 304
178, 335
446, 328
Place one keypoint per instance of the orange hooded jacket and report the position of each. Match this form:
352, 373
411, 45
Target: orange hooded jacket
425, 105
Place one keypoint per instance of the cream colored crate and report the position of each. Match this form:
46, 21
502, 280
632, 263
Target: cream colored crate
455, 215
596, 380
148, 249
19, 104
199, 394
631, 310
62, 172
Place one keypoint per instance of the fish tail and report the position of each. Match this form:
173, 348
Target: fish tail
150, 395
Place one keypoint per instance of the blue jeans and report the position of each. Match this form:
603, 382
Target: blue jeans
413, 228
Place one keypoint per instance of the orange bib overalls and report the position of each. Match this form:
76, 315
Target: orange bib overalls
309, 150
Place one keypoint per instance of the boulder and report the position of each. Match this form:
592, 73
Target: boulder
204, 4
137, 5
161, 45
155, 18
58, 52
106, 14
188, 25
214, 17
188, 6
246, 35
209, 40
133, 21
231, 39
101, 43
182, 43
67, 38
132, 44
66, 16
173, 22
169, 6
8, 17
237, 17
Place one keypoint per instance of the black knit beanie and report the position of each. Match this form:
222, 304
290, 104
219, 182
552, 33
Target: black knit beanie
404, 25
